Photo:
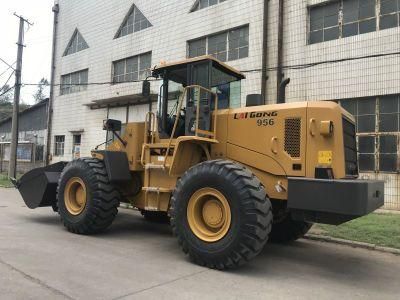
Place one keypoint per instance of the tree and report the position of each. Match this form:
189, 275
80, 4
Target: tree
42, 91
6, 94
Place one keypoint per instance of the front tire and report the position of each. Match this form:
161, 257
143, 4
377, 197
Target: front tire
87, 202
220, 214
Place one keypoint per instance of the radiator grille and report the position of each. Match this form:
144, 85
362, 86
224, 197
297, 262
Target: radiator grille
350, 148
292, 137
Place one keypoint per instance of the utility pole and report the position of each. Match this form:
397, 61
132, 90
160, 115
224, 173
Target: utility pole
12, 170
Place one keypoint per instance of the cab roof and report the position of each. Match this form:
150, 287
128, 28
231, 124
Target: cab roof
216, 63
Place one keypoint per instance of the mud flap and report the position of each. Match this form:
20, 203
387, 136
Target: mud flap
38, 187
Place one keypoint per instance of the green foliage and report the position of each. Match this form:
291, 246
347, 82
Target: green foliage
6, 94
42, 90
378, 229
6, 103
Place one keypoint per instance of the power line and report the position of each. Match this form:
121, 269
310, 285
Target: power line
5, 92
309, 65
4, 85
9, 66
8, 69
85, 84
288, 67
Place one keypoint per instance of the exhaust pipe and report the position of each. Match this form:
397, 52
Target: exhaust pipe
282, 91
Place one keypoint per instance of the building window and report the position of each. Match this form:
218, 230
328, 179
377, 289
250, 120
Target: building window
378, 131
324, 23
389, 16
200, 4
76, 44
133, 22
74, 82
345, 18
132, 68
59, 145
225, 46
76, 146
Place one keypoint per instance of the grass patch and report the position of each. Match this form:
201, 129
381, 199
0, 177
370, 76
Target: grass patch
378, 229
5, 182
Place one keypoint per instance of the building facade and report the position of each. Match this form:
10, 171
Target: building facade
339, 50
31, 139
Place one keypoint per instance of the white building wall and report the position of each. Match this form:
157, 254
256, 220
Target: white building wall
346, 80
99, 20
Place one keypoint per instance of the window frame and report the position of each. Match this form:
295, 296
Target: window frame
132, 13
341, 20
197, 5
378, 135
387, 14
146, 72
71, 88
59, 146
76, 36
228, 43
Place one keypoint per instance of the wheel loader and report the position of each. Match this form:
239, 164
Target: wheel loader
227, 179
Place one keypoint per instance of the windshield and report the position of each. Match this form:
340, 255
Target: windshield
227, 87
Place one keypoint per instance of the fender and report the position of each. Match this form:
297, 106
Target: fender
117, 165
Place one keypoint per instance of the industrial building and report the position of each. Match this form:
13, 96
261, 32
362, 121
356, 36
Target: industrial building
339, 50
32, 137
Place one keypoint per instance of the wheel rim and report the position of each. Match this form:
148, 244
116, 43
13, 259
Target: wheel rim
75, 196
209, 215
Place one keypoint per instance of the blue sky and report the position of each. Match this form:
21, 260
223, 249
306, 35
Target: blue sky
38, 39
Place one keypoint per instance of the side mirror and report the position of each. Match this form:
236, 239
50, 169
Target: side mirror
112, 125
146, 88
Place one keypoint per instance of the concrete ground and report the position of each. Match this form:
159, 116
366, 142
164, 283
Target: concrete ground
134, 259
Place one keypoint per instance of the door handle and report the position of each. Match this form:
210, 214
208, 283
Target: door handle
274, 145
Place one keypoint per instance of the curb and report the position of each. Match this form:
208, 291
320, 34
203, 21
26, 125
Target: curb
354, 244
387, 211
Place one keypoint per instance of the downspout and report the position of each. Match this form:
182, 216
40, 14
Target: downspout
279, 72
282, 90
264, 68
56, 10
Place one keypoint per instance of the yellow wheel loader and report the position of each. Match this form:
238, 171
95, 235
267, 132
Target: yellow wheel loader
227, 179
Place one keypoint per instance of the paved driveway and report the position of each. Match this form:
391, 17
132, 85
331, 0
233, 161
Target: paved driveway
134, 259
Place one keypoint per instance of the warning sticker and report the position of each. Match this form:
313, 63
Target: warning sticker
325, 157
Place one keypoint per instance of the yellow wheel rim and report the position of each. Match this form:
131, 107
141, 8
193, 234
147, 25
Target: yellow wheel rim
209, 215
75, 196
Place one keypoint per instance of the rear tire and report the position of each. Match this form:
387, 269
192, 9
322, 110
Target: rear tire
284, 228
87, 202
230, 193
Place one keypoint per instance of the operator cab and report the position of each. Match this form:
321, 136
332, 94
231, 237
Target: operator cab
216, 79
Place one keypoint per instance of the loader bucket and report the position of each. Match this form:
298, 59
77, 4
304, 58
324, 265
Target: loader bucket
38, 187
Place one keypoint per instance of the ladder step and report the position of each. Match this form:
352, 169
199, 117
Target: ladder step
155, 167
156, 190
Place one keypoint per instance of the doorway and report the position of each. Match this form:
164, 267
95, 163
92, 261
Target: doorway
76, 146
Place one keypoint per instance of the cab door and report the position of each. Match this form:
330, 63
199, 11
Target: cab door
199, 74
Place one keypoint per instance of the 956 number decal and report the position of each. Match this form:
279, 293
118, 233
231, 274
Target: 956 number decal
265, 122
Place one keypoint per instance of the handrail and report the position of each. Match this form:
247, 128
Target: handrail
175, 125
149, 127
197, 130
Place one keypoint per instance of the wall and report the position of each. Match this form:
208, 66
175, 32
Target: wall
99, 20
350, 79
